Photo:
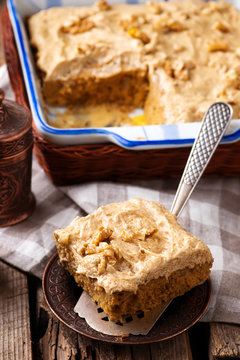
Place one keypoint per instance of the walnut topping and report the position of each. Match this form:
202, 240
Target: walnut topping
233, 78
154, 7
63, 238
101, 247
138, 34
166, 25
102, 265
221, 27
218, 46
90, 248
103, 5
232, 75
103, 235
79, 26
206, 12
224, 96
214, 6
108, 256
139, 19
152, 45
181, 74
81, 50
238, 52
132, 21
178, 69
86, 49
168, 68
178, 48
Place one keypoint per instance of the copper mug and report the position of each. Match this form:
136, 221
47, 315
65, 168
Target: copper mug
16, 142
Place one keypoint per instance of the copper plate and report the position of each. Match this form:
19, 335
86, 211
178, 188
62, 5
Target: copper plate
62, 293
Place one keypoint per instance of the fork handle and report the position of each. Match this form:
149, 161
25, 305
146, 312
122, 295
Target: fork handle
214, 124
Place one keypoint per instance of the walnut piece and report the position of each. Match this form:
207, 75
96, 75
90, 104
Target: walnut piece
178, 69
226, 97
154, 7
223, 27
138, 34
217, 46
166, 25
178, 48
168, 68
233, 78
214, 6
64, 238
102, 266
103, 235
132, 21
79, 26
103, 5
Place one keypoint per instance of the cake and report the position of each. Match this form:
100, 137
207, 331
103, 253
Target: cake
132, 256
173, 59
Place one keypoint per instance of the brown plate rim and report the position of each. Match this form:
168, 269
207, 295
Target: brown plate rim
131, 339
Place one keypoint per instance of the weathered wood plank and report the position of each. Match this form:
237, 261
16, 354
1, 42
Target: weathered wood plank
67, 344
177, 348
104, 351
86, 348
224, 341
15, 336
141, 352
59, 343
123, 352
48, 343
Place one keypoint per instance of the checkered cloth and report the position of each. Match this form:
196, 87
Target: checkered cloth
212, 214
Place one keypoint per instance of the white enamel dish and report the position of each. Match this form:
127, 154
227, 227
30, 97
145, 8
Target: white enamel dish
135, 137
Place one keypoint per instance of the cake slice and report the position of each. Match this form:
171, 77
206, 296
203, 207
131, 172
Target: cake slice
132, 256
85, 56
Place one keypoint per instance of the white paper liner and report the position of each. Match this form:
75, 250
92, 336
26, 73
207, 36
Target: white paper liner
139, 324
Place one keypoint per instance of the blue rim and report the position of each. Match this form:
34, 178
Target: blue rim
95, 131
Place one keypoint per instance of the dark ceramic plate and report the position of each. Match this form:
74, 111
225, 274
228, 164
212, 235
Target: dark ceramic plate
62, 294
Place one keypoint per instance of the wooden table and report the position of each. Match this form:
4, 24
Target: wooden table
28, 330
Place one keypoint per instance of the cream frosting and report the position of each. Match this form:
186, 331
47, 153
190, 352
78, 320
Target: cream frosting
191, 49
123, 245
100, 51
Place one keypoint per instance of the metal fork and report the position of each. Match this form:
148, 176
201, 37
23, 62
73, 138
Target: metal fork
214, 125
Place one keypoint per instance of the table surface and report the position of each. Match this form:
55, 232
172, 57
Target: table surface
28, 329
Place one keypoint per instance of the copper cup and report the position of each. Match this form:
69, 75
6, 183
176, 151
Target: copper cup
16, 142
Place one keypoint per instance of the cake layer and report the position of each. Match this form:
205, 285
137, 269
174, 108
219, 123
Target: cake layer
120, 304
186, 53
128, 88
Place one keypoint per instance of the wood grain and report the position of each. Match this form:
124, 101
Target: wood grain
176, 348
224, 341
15, 338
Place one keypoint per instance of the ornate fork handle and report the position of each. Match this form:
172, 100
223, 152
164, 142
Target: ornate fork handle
214, 124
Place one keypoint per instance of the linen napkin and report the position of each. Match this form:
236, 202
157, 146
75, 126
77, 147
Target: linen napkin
212, 214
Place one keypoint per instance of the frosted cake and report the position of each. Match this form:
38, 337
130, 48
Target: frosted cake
171, 58
132, 256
